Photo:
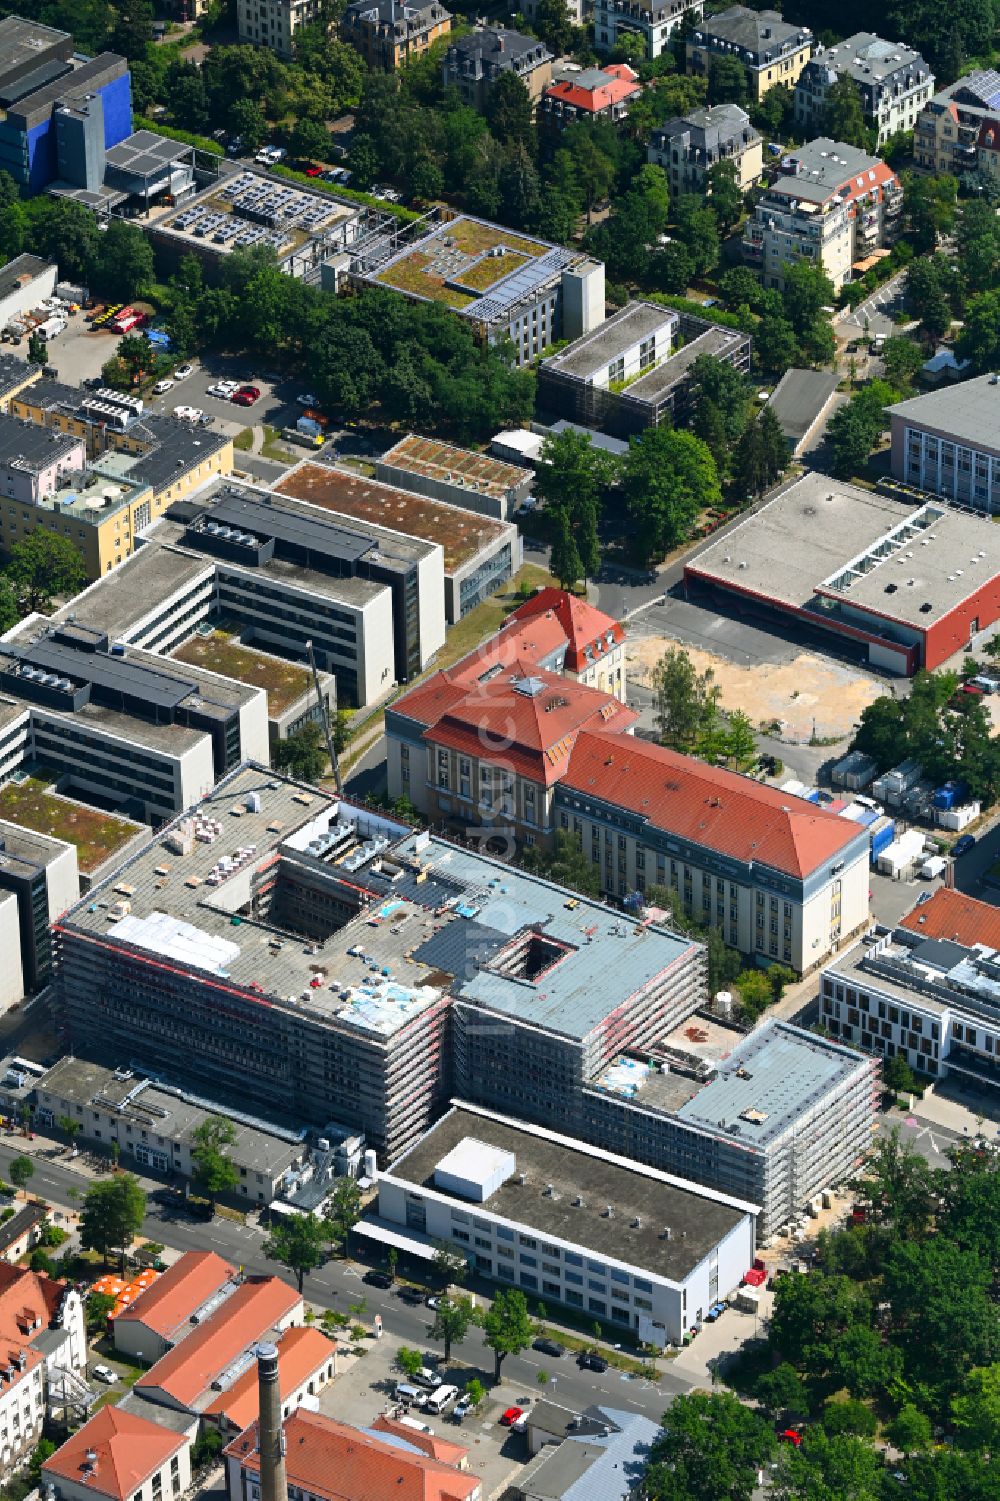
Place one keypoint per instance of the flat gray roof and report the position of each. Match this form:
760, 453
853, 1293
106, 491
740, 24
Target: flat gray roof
22, 268
816, 527
798, 399
715, 340
968, 412
118, 600
777, 1074
595, 351
26, 845
168, 1112
698, 1218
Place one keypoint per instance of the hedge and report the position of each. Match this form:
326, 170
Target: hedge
408, 215
202, 143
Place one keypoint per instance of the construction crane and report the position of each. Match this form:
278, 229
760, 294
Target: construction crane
325, 719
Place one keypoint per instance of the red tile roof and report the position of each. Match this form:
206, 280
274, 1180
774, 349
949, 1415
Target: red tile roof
989, 135
28, 1302
621, 84
708, 806
584, 626
301, 1353
524, 717
338, 1463
187, 1371
952, 914
437, 1448
129, 1450
179, 1292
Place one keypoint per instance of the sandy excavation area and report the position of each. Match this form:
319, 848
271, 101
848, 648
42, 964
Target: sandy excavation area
805, 692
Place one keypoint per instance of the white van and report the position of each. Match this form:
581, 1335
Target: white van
443, 1397
411, 1394
426, 1377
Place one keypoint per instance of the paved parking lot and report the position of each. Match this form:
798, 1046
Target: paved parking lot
77, 354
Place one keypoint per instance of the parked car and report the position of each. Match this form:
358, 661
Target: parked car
246, 395
462, 1406
433, 1302
790, 1436
162, 387
549, 1347
224, 388
963, 844
375, 1278
520, 1425
104, 1373
511, 1416
313, 170
183, 371
589, 1360
410, 1294
307, 399
426, 1377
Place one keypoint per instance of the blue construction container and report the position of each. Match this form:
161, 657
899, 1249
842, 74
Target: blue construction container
949, 796
310, 428
867, 817
882, 833
811, 794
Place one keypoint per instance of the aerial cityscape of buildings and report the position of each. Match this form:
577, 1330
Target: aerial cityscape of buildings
585, 972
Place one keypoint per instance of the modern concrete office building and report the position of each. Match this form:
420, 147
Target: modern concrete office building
25, 282
458, 476
38, 882
771, 50
893, 82
947, 441
329, 999
510, 286
567, 1222
480, 555
114, 724
634, 371
927, 991
906, 586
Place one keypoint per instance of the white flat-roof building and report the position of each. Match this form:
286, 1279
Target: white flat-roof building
567, 1222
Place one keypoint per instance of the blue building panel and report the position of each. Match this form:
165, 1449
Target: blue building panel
42, 161
116, 97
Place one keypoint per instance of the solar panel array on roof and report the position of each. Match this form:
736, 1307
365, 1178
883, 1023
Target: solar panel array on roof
521, 284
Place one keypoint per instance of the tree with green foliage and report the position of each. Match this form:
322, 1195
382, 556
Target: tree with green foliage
978, 238
38, 350
668, 478
929, 292
342, 1210
844, 118
509, 110
774, 113
573, 472
856, 429
214, 1171
21, 1171
475, 1391
565, 864
727, 81
979, 340
309, 138
63, 231
298, 1242
409, 1361
671, 269
975, 1411
44, 566
507, 1325
124, 266
929, 209
944, 1320
453, 1318
849, 1416
910, 1429
303, 753
807, 291
697, 230
724, 194
897, 1075
740, 288
782, 1393
13, 219
450, 1262
775, 345
98, 1308
901, 360
10, 612
112, 1216
686, 702
828, 1466
710, 1449
564, 559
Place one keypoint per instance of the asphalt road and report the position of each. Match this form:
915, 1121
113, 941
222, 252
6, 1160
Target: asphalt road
339, 1284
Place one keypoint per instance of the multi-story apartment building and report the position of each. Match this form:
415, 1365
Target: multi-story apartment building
771, 50
831, 204
782, 880
35, 462
569, 1223
590, 94
275, 23
948, 127
389, 33
688, 146
947, 442
926, 991
475, 61
653, 20
893, 82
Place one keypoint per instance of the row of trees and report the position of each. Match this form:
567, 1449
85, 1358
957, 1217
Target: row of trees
116, 260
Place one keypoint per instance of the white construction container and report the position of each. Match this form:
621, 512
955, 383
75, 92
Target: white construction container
934, 867
747, 1301
902, 855
890, 787
957, 818
854, 771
